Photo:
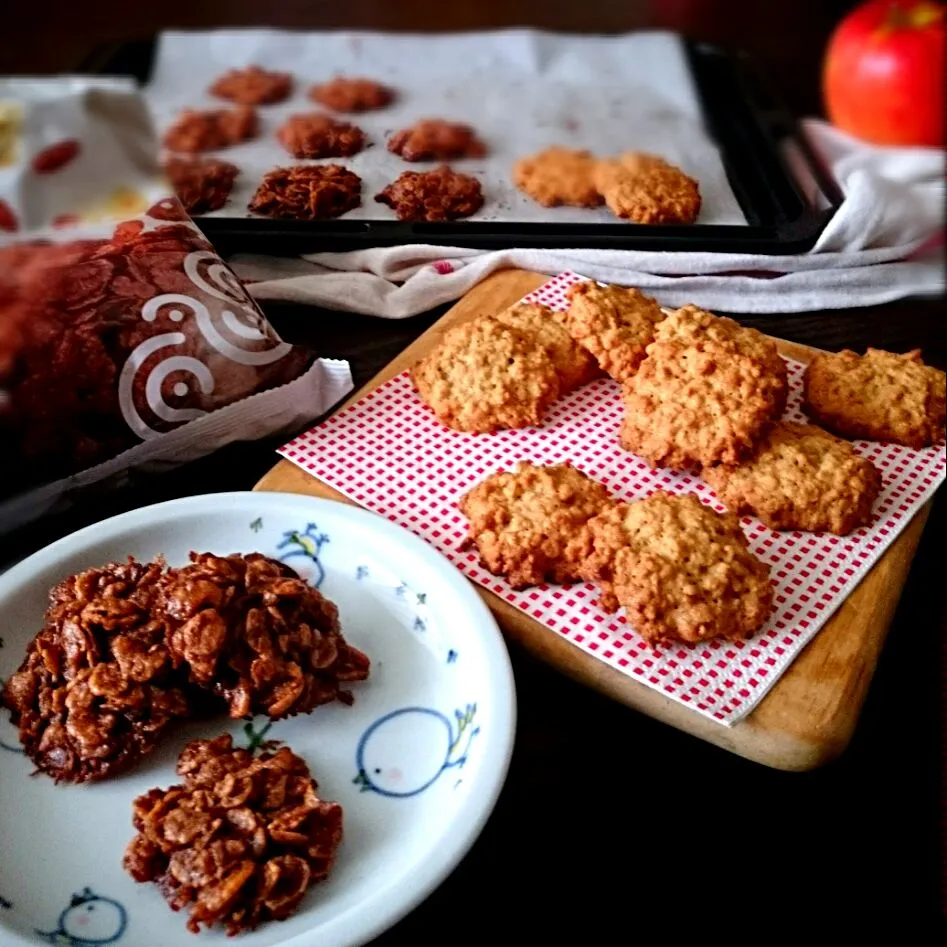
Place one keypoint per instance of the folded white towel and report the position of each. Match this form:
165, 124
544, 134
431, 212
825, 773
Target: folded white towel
885, 242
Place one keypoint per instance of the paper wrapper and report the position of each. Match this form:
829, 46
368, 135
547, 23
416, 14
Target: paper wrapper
390, 454
522, 90
125, 341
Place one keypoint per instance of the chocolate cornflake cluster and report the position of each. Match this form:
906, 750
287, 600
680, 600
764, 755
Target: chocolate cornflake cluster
438, 195
201, 184
253, 86
256, 634
308, 192
217, 128
128, 648
97, 689
314, 135
240, 842
433, 139
343, 94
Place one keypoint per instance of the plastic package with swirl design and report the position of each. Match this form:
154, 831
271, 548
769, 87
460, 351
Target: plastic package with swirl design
125, 341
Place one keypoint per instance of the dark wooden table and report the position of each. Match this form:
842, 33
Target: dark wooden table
610, 821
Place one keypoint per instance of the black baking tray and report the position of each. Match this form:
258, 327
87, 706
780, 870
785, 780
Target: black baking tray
752, 129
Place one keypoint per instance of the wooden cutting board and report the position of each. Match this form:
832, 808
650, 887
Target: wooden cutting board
810, 714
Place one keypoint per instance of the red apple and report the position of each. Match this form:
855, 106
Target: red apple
883, 79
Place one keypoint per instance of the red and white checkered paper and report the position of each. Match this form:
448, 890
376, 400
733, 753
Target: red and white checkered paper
390, 454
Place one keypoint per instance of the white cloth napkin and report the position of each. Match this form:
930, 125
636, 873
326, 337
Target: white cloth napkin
885, 242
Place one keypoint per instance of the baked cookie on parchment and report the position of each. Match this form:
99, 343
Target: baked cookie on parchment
433, 196
558, 176
484, 377
800, 477
307, 192
526, 524
681, 571
314, 135
647, 189
879, 396
253, 86
614, 323
351, 94
574, 364
433, 139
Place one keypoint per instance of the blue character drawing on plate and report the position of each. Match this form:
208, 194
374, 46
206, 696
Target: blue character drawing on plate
91, 920
406, 751
307, 544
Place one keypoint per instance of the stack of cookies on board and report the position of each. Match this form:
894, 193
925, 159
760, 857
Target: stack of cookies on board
700, 393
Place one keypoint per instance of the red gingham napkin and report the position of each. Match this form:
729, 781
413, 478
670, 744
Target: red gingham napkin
390, 454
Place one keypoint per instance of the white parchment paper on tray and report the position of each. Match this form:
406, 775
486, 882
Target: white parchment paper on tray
390, 454
521, 89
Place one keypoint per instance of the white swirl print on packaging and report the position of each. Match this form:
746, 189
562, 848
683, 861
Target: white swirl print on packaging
227, 321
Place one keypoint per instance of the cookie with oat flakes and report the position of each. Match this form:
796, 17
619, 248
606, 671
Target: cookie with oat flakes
558, 176
201, 184
694, 405
253, 86
574, 364
800, 477
681, 571
483, 377
615, 324
647, 189
880, 396
209, 130
526, 524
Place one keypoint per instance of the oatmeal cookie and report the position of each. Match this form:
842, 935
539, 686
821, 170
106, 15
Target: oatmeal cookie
308, 192
433, 139
255, 633
698, 404
879, 396
483, 377
691, 325
253, 86
343, 94
526, 524
558, 176
438, 195
240, 841
647, 190
207, 131
318, 136
97, 689
615, 324
574, 364
800, 477
681, 571
201, 184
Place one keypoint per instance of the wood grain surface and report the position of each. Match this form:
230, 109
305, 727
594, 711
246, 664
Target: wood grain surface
807, 718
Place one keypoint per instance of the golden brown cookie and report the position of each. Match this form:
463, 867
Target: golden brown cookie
433, 139
615, 324
253, 86
647, 190
558, 176
343, 94
680, 570
800, 477
314, 135
574, 364
697, 405
879, 396
526, 524
691, 325
483, 377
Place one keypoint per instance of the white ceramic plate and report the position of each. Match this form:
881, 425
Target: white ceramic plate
417, 762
